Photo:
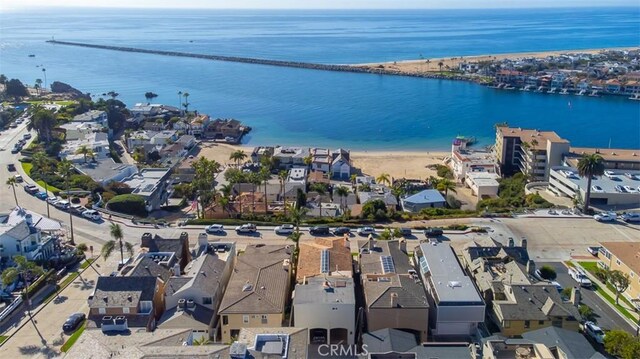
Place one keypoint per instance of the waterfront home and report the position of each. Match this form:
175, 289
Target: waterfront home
141, 111
289, 157
456, 308
327, 307
258, 290
324, 257
631, 87
153, 184
623, 256
198, 124
428, 198
223, 128
379, 192
341, 167
120, 303
320, 159
296, 178
21, 233
511, 77
482, 184
94, 116
394, 296
463, 160
613, 86
261, 152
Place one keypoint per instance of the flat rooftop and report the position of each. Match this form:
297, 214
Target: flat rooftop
145, 181
609, 154
475, 157
484, 178
449, 281
321, 291
608, 184
527, 135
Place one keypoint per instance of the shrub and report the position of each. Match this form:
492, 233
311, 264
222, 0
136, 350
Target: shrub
129, 204
548, 273
107, 196
586, 312
118, 188
375, 209
444, 171
453, 202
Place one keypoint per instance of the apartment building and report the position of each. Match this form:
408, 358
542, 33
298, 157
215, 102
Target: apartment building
625, 257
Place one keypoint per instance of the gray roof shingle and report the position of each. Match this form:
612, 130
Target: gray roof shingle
573, 344
535, 302
116, 291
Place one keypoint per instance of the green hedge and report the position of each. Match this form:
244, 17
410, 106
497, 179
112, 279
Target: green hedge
39, 283
132, 204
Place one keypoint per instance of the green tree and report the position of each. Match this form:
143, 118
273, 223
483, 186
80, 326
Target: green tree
82, 248
38, 85
237, 156
24, 269
440, 64
14, 88
43, 121
620, 282
282, 178
587, 313
321, 190
203, 181
3, 79
631, 350
12, 181
296, 215
384, 178
85, 151
116, 233
308, 160
264, 176
342, 192
386, 234
42, 164
65, 170
301, 198
353, 179
589, 166
446, 185
186, 102
616, 341
548, 273
375, 210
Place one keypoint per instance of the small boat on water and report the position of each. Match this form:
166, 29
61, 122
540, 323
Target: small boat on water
564, 92
540, 89
32, 55
509, 87
582, 92
635, 97
553, 90
526, 88
594, 93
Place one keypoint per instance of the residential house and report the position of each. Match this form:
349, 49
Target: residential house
631, 87
20, 235
463, 161
482, 184
327, 307
153, 184
393, 294
379, 192
95, 116
272, 343
223, 128
320, 160
613, 86
397, 344
178, 246
120, 303
563, 343
40, 222
74, 131
165, 137
428, 198
456, 308
324, 257
139, 139
510, 77
257, 292
261, 152
625, 257
341, 164
198, 124
187, 141
155, 125
289, 157
105, 171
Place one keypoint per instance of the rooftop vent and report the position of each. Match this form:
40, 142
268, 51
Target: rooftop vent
454, 284
247, 287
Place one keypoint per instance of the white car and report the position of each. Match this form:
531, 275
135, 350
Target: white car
629, 189
214, 228
92, 215
605, 217
580, 277
365, 231
596, 189
62, 204
52, 200
610, 175
594, 331
631, 176
18, 178
631, 217
246, 228
284, 229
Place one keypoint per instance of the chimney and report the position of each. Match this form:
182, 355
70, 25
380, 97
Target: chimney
370, 243
576, 296
28, 218
511, 242
524, 243
176, 269
394, 300
182, 303
146, 240
184, 236
531, 267
203, 240
403, 245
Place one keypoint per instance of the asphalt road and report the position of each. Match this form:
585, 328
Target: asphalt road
607, 318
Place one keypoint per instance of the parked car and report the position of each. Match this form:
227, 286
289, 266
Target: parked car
26, 136
41, 195
594, 332
605, 217
365, 231
214, 228
62, 204
594, 250
610, 174
630, 189
284, 229
631, 176
620, 189
246, 228
91, 214
31, 189
11, 167
77, 208
341, 231
579, 276
596, 188
319, 230
73, 322
18, 178
406, 232
52, 199
557, 285
433, 232
631, 217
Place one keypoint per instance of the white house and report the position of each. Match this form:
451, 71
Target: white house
19, 235
483, 184
341, 164
95, 116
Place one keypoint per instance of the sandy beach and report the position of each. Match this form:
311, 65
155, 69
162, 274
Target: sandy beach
431, 65
398, 164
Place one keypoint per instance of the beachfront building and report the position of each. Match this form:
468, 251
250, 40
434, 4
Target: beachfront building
393, 294
341, 167
463, 160
153, 184
95, 116
289, 157
625, 257
456, 308
483, 184
531, 152
21, 233
614, 158
429, 198
615, 188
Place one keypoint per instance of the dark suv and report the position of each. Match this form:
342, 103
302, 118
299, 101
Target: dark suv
319, 230
433, 232
340, 231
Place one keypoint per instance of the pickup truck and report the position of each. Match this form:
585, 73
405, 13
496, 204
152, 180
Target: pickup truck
579, 276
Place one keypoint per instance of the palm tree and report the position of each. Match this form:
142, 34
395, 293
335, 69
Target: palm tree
116, 233
308, 160
224, 203
24, 269
40, 160
343, 192
83, 248
186, 102
65, 169
590, 166
86, 151
440, 64
264, 177
353, 179
12, 181
38, 85
179, 100
384, 178
44, 72
237, 156
446, 185
321, 190
296, 215
282, 177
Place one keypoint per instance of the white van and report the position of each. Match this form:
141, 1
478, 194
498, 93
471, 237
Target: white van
92, 215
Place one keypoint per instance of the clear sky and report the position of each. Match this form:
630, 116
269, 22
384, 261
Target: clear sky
315, 4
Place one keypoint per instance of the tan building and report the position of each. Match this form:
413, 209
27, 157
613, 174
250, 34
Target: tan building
325, 257
625, 257
531, 152
613, 158
257, 292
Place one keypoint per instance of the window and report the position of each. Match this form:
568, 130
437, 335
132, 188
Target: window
617, 261
540, 322
206, 300
125, 310
17, 248
102, 310
506, 324
225, 320
527, 324
264, 319
631, 274
245, 319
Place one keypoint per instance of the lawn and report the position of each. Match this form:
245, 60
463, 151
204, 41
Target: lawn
73, 338
591, 267
3, 338
27, 166
61, 103
86, 263
70, 278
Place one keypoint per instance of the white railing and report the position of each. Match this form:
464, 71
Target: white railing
10, 308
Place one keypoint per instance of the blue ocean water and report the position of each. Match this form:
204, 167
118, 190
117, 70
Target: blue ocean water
358, 111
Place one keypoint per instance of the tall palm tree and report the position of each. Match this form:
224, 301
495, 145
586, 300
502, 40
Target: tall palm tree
343, 192
83, 248
237, 156
282, 177
446, 185
321, 190
186, 101
24, 269
65, 169
38, 85
224, 203
589, 166
41, 162
440, 64
384, 178
116, 233
84, 150
180, 100
12, 181
264, 177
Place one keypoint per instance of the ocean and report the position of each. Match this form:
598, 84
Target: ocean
305, 107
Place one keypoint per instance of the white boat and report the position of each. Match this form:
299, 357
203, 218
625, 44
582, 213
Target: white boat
635, 97
553, 90
582, 92
509, 87
540, 89
594, 93
564, 92
526, 88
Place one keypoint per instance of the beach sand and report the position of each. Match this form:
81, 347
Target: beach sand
431, 65
398, 164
